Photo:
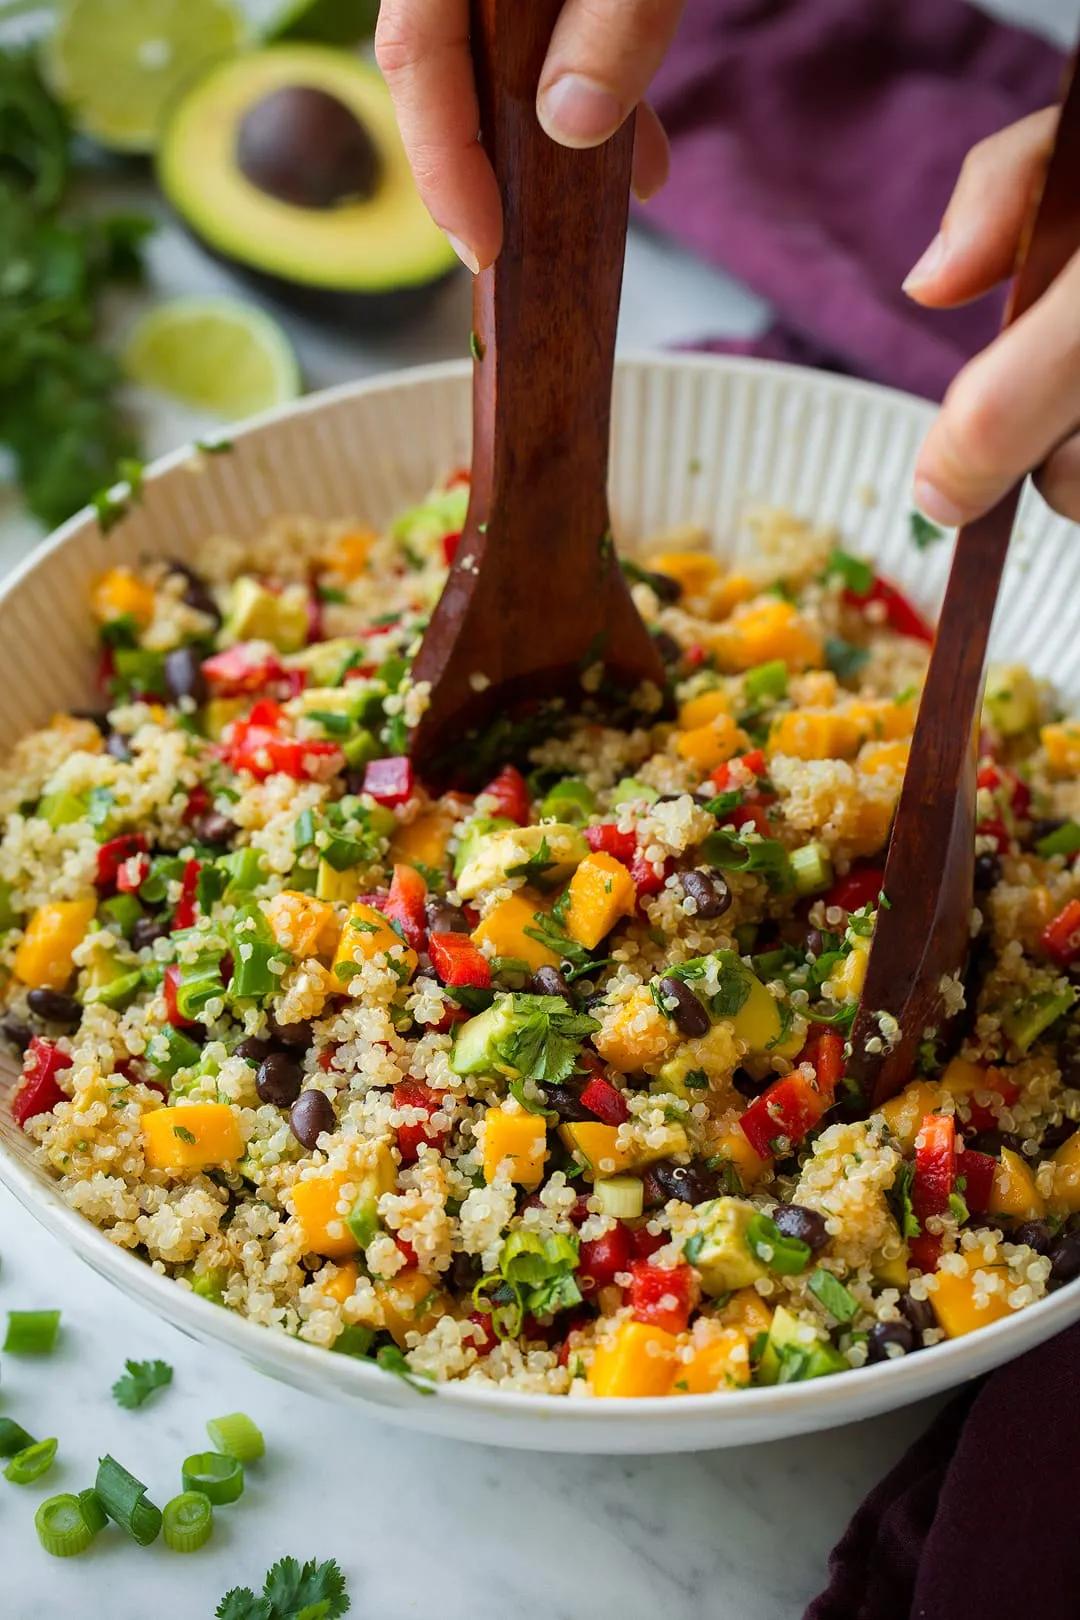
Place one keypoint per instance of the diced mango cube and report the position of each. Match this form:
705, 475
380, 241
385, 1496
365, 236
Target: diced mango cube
955, 1308
639, 1360
1066, 1193
905, 1112
765, 629
520, 1139
410, 1304
712, 744
848, 977
694, 570
504, 930
348, 554
725, 594
601, 892
1014, 1191
120, 594
43, 956
747, 1310
316, 1200
1061, 743
597, 1144
698, 711
719, 1361
194, 1136
366, 935
883, 719
814, 734
303, 925
635, 1033
734, 1146
873, 820
343, 1282
424, 840
875, 757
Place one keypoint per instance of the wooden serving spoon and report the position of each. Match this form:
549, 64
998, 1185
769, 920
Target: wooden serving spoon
535, 595
922, 937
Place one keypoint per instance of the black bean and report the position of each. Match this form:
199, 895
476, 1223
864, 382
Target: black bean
214, 828
311, 1114
1036, 1234
548, 981
95, 716
1065, 1258
253, 1050
465, 1272
1055, 1136
919, 1312
815, 944
183, 675
197, 594
118, 746
291, 1034
688, 1015
668, 648
443, 918
692, 1183
747, 1085
886, 1337
1043, 826
279, 1081
17, 1033
987, 872
54, 1007
146, 930
796, 1221
708, 890
354, 781
565, 1100
663, 586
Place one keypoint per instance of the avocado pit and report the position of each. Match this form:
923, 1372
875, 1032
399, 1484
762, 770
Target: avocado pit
303, 146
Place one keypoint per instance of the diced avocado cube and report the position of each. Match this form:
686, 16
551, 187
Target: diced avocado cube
716, 1246
9, 917
1029, 1019
471, 834
550, 852
1011, 699
361, 748
258, 614
333, 885
61, 809
729, 990
209, 1284
812, 868
123, 910
629, 791
325, 661
375, 1178
474, 1050
442, 513
170, 1051
682, 1076
796, 1350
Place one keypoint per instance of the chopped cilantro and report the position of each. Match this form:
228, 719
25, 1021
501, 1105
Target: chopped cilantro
832, 1294
855, 572
141, 1379
843, 657
924, 534
291, 1591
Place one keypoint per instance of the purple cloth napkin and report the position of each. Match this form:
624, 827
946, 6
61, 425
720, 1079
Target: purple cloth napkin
976, 1522
815, 144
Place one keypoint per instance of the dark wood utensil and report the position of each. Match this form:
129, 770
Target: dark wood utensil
535, 594
923, 934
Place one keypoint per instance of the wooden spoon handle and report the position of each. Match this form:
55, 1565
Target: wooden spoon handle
545, 314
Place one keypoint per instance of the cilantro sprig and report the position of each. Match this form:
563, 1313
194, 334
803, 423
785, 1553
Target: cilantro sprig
544, 1039
291, 1591
140, 1381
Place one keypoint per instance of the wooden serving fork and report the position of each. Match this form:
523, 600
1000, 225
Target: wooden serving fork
535, 595
922, 936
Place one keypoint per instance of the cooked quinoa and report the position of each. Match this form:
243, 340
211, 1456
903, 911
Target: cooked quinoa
540, 1085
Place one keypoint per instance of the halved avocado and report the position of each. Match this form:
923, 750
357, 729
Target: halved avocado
286, 163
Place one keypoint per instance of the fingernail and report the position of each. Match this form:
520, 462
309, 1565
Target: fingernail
579, 112
928, 266
936, 506
465, 254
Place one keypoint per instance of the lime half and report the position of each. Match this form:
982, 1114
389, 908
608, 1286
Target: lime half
214, 354
327, 22
117, 64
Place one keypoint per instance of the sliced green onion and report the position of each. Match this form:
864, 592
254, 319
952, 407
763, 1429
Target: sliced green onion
767, 683
13, 1437
30, 1463
1062, 841
236, 1436
622, 1197
832, 1294
61, 1527
812, 868
124, 1499
92, 1510
569, 800
218, 1477
32, 1333
629, 789
187, 1521
786, 1256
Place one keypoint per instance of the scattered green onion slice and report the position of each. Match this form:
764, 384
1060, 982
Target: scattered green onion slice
236, 1436
786, 1256
188, 1520
220, 1478
92, 1510
30, 1463
32, 1333
832, 1294
61, 1527
124, 1499
13, 1437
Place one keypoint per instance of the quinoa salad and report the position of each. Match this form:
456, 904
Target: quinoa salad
541, 1083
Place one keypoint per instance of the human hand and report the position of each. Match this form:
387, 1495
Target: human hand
1017, 404
602, 56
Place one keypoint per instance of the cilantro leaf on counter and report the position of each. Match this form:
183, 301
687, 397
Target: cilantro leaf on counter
291, 1591
140, 1381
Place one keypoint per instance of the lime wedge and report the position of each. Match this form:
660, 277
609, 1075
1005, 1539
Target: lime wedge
214, 354
327, 22
117, 64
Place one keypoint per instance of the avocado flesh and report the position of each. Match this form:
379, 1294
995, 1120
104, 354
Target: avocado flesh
367, 256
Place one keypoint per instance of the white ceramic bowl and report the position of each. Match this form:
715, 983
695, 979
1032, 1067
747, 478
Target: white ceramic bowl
696, 440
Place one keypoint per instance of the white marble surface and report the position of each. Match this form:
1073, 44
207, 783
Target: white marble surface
421, 1527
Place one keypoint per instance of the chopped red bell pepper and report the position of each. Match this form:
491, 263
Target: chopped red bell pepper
604, 1100
935, 1167
451, 1015
824, 1051
695, 655
247, 667
978, 1171
170, 984
390, 781
187, 907
925, 1251
600, 1260
38, 1091
861, 887
1061, 938
511, 795
198, 804
460, 478
405, 1248
647, 880
749, 815
414, 1094
572, 1326
983, 1116
404, 905
789, 1108
450, 543
485, 1338
647, 1243
133, 874
996, 830
1006, 784
112, 856
606, 839
459, 962
260, 746
900, 615
723, 778
662, 1298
